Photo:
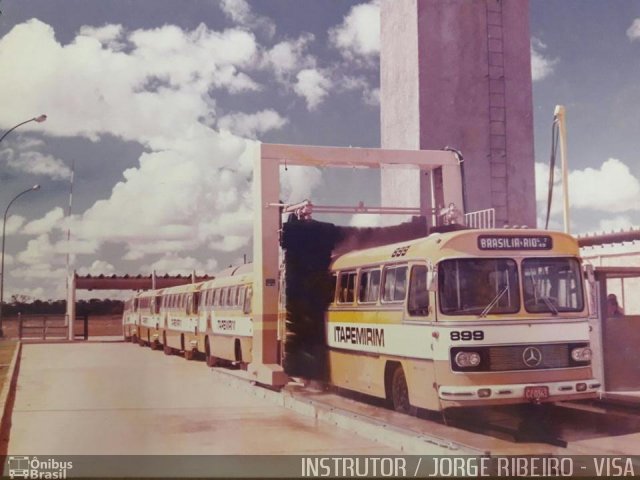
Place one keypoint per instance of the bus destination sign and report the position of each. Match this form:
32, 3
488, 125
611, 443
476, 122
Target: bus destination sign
514, 242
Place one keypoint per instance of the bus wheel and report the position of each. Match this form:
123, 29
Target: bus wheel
400, 393
167, 349
211, 360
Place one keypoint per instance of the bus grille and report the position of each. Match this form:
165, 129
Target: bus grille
513, 357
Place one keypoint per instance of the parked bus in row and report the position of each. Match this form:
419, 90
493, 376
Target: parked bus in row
464, 318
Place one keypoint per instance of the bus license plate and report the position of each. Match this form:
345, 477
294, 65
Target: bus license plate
536, 393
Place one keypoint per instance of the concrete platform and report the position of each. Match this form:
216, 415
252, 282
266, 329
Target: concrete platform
118, 398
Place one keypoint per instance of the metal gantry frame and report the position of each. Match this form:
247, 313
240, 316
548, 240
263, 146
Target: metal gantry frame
446, 189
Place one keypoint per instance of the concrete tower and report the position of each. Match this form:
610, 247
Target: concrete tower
458, 73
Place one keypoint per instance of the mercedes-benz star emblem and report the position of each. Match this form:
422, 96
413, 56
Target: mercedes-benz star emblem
532, 357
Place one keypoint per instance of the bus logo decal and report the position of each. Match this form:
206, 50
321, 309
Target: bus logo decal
359, 335
532, 357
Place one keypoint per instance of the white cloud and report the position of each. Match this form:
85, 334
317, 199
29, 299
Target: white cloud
8, 259
240, 12
358, 36
98, 267
25, 294
288, 56
254, 124
191, 191
615, 224
174, 264
610, 188
633, 32
313, 86
541, 66
14, 222
45, 224
108, 35
165, 69
24, 157
370, 96
37, 163
297, 183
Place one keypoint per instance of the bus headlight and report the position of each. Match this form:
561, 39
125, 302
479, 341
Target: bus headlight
467, 359
581, 354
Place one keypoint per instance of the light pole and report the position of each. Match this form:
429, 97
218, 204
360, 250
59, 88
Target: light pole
4, 225
39, 119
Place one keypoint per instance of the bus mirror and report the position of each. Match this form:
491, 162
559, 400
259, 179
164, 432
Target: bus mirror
432, 280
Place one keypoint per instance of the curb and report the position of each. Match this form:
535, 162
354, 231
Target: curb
8, 388
410, 442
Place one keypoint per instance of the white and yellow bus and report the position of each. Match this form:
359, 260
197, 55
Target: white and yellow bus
179, 318
148, 309
210, 319
465, 318
226, 310
472, 317
130, 319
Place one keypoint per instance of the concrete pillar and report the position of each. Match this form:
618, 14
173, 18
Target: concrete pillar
458, 73
266, 189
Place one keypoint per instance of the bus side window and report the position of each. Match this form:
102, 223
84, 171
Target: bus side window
369, 287
188, 300
347, 287
196, 302
418, 304
241, 294
223, 297
395, 284
247, 300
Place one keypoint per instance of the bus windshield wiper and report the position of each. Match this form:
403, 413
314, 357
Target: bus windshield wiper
550, 305
493, 302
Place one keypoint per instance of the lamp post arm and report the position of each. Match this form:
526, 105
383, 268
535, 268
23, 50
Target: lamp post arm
38, 119
16, 126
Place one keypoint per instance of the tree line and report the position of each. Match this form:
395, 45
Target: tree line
94, 306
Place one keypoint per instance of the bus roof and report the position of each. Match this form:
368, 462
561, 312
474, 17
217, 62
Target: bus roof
471, 242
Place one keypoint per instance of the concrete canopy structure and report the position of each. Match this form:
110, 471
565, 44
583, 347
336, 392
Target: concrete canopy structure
458, 73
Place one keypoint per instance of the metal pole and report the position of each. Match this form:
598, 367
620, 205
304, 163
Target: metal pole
4, 226
560, 115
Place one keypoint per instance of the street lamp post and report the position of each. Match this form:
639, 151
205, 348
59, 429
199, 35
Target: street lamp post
39, 119
4, 225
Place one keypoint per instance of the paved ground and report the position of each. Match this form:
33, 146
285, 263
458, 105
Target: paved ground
118, 398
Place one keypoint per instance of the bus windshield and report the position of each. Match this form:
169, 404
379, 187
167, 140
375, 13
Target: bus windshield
552, 285
478, 286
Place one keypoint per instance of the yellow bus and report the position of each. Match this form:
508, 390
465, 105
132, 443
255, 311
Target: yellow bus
179, 319
210, 319
225, 309
471, 317
148, 308
130, 319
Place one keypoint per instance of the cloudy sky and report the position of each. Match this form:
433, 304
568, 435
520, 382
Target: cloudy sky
156, 102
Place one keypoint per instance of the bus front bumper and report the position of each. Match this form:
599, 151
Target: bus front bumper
451, 396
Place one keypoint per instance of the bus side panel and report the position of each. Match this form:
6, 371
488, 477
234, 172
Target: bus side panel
357, 371
420, 382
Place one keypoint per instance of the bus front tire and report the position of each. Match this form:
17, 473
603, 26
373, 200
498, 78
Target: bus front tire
400, 393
